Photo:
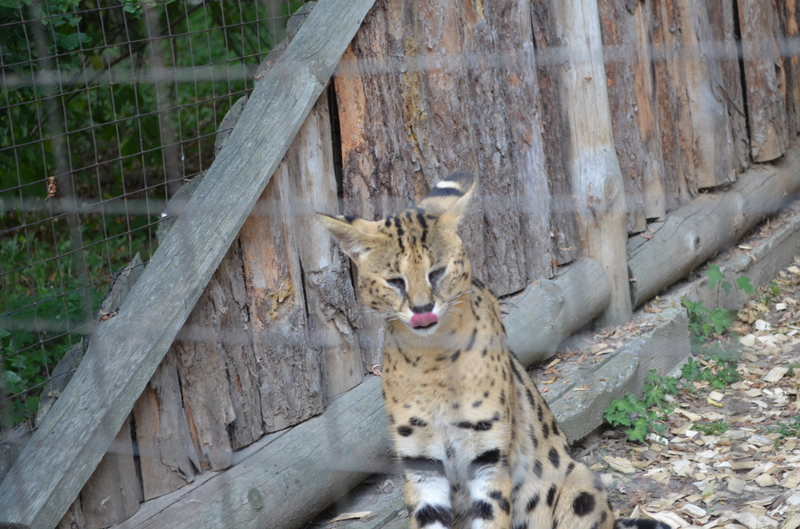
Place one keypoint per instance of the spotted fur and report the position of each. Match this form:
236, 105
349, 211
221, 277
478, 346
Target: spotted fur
478, 444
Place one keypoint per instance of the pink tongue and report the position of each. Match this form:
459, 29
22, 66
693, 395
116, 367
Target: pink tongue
424, 319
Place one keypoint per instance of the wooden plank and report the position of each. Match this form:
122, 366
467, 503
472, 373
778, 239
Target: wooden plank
168, 457
790, 31
631, 95
764, 79
113, 492
724, 27
695, 233
592, 162
565, 239
126, 349
333, 317
274, 285
674, 119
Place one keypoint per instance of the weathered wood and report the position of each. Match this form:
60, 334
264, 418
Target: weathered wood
330, 301
329, 455
333, 452
764, 79
788, 38
693, 234
710, 138
673, 117
626, 39
113, 492
167, 455
592, 163
278, 323
127, 349
565, 237
555, 308
411, 112
723, 27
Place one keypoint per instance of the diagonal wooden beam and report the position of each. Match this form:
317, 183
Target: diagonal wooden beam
125, 350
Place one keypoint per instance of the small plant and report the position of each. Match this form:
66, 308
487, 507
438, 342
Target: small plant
716, 366
644, 416
768, 293
702, 320
712, 428
790, 428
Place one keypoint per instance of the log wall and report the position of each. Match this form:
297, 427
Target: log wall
506, 89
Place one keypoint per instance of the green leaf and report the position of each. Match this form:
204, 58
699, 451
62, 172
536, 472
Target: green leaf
726, 286
714, 275
743, 282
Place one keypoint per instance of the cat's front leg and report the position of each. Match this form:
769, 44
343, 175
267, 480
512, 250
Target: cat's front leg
427, 493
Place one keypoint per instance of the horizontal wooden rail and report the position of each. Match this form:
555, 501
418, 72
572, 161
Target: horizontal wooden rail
693, 234
125, 350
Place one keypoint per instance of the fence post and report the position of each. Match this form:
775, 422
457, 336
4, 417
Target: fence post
597, 185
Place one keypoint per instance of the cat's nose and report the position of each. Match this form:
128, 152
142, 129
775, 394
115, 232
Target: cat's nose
421, 309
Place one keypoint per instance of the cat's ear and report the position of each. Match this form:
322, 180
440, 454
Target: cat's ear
355, 236
450, 198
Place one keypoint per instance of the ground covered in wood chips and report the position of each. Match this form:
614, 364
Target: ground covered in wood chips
730, 456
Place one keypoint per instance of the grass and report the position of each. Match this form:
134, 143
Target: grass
44, 303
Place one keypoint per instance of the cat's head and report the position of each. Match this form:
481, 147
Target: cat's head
411, 266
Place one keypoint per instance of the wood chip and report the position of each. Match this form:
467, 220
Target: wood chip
792, 480
747, 519
620, 464
351, 516
693, 510
736, 485
775, 374
745, 464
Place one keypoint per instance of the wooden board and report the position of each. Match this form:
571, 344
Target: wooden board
764, 79
126, 350
333, 317
629, 68
592, 161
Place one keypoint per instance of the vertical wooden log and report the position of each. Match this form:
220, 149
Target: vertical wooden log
710, 133
593, 167
764, 79
788, 16
565, 239
723, 27
203, 375
290, 373
468, 101
626, 35
674, 118
73, 518
113, 492
167, 455
331, 304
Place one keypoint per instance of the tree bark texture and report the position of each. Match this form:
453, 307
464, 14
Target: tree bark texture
427, 88
765, 79
626, 35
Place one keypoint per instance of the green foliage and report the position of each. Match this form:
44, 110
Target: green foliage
110, 136
788, 428
642, 416
647, 415
704, 321
712, 428
717, 366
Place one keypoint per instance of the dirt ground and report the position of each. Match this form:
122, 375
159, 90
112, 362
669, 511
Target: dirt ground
728, 457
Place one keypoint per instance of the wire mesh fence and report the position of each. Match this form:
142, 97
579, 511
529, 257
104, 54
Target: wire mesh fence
106, 108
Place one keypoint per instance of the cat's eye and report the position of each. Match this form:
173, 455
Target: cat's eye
435, 276
398, 283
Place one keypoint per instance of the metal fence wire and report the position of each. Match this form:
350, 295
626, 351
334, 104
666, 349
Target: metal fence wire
107, 108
